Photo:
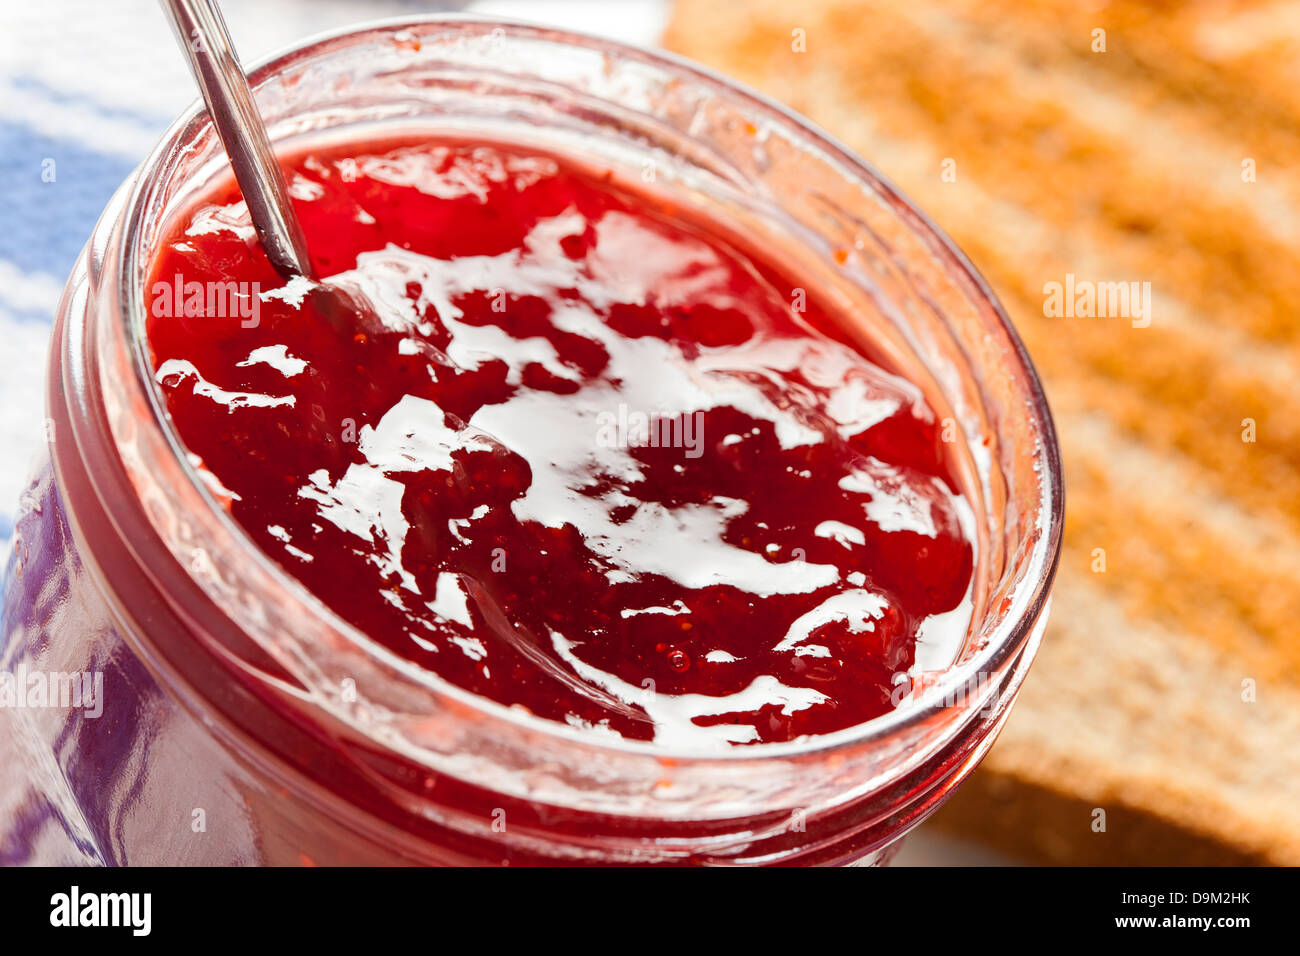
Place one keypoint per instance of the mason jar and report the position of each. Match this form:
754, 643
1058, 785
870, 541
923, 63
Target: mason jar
238, 720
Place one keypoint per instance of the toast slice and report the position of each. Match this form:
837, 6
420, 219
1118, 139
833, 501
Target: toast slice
1136, 142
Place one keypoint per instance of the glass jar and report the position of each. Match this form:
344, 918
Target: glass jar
241, 721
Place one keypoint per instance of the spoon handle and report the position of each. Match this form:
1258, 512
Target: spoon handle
203, 36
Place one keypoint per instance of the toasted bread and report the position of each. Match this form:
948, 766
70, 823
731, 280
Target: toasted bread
1133, 142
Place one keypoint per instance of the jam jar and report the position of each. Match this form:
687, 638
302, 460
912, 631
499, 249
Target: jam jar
179, 696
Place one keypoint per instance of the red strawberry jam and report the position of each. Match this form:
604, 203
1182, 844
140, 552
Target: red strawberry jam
587, 457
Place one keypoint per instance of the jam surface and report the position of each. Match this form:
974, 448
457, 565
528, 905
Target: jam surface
587, 457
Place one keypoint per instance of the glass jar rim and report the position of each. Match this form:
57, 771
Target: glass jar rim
1001, 645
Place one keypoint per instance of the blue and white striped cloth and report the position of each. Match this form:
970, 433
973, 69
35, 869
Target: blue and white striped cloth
87, 87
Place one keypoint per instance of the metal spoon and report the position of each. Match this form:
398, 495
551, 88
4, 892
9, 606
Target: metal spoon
203, 36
